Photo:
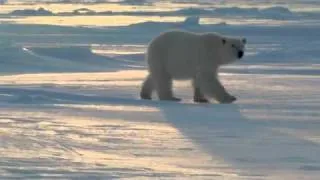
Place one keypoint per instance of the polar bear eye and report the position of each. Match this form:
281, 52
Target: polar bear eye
244, 41
224, 41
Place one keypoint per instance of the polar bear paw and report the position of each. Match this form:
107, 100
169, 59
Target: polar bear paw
228, 100
200, 100
170, 99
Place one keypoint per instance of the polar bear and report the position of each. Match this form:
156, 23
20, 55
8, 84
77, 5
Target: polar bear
183, 55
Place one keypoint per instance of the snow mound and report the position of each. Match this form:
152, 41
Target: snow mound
189, 22
192, 11
32, 12
15, 59
83, 56
192, 21
71, 53
83, 11
272, 12
276, 12
135, 2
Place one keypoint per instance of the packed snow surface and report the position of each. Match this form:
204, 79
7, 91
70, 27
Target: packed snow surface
69, 104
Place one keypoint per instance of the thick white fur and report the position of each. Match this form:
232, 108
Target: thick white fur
185, 55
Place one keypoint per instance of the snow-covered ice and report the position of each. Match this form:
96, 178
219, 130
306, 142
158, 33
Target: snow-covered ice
69, 104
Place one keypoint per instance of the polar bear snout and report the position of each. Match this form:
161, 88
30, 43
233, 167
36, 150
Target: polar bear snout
240, 54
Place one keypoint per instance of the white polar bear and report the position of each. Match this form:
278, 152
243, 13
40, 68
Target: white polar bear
181, 55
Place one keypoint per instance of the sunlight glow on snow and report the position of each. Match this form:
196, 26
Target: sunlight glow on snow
111, 108
118, 49
119, 78
75, 140
90, 21
69, 7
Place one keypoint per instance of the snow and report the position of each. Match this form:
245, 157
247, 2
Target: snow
69, 104
274, 12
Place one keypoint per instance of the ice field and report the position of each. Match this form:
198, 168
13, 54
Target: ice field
69, 86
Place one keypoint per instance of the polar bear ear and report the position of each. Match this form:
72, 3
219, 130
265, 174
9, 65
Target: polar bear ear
244, 41
224, 41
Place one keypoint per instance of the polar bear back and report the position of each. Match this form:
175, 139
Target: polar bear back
181, 54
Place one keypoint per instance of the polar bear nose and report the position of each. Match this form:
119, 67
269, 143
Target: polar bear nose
240, 54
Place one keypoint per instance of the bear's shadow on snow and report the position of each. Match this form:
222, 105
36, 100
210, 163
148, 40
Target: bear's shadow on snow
222, 131
217, 129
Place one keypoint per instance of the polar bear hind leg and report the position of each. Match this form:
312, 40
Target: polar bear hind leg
147, 88
163, 86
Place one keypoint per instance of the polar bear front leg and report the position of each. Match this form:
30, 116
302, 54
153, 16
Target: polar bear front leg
211, 86
197, 94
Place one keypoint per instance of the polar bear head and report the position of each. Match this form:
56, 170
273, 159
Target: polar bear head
228, 49
232, 49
